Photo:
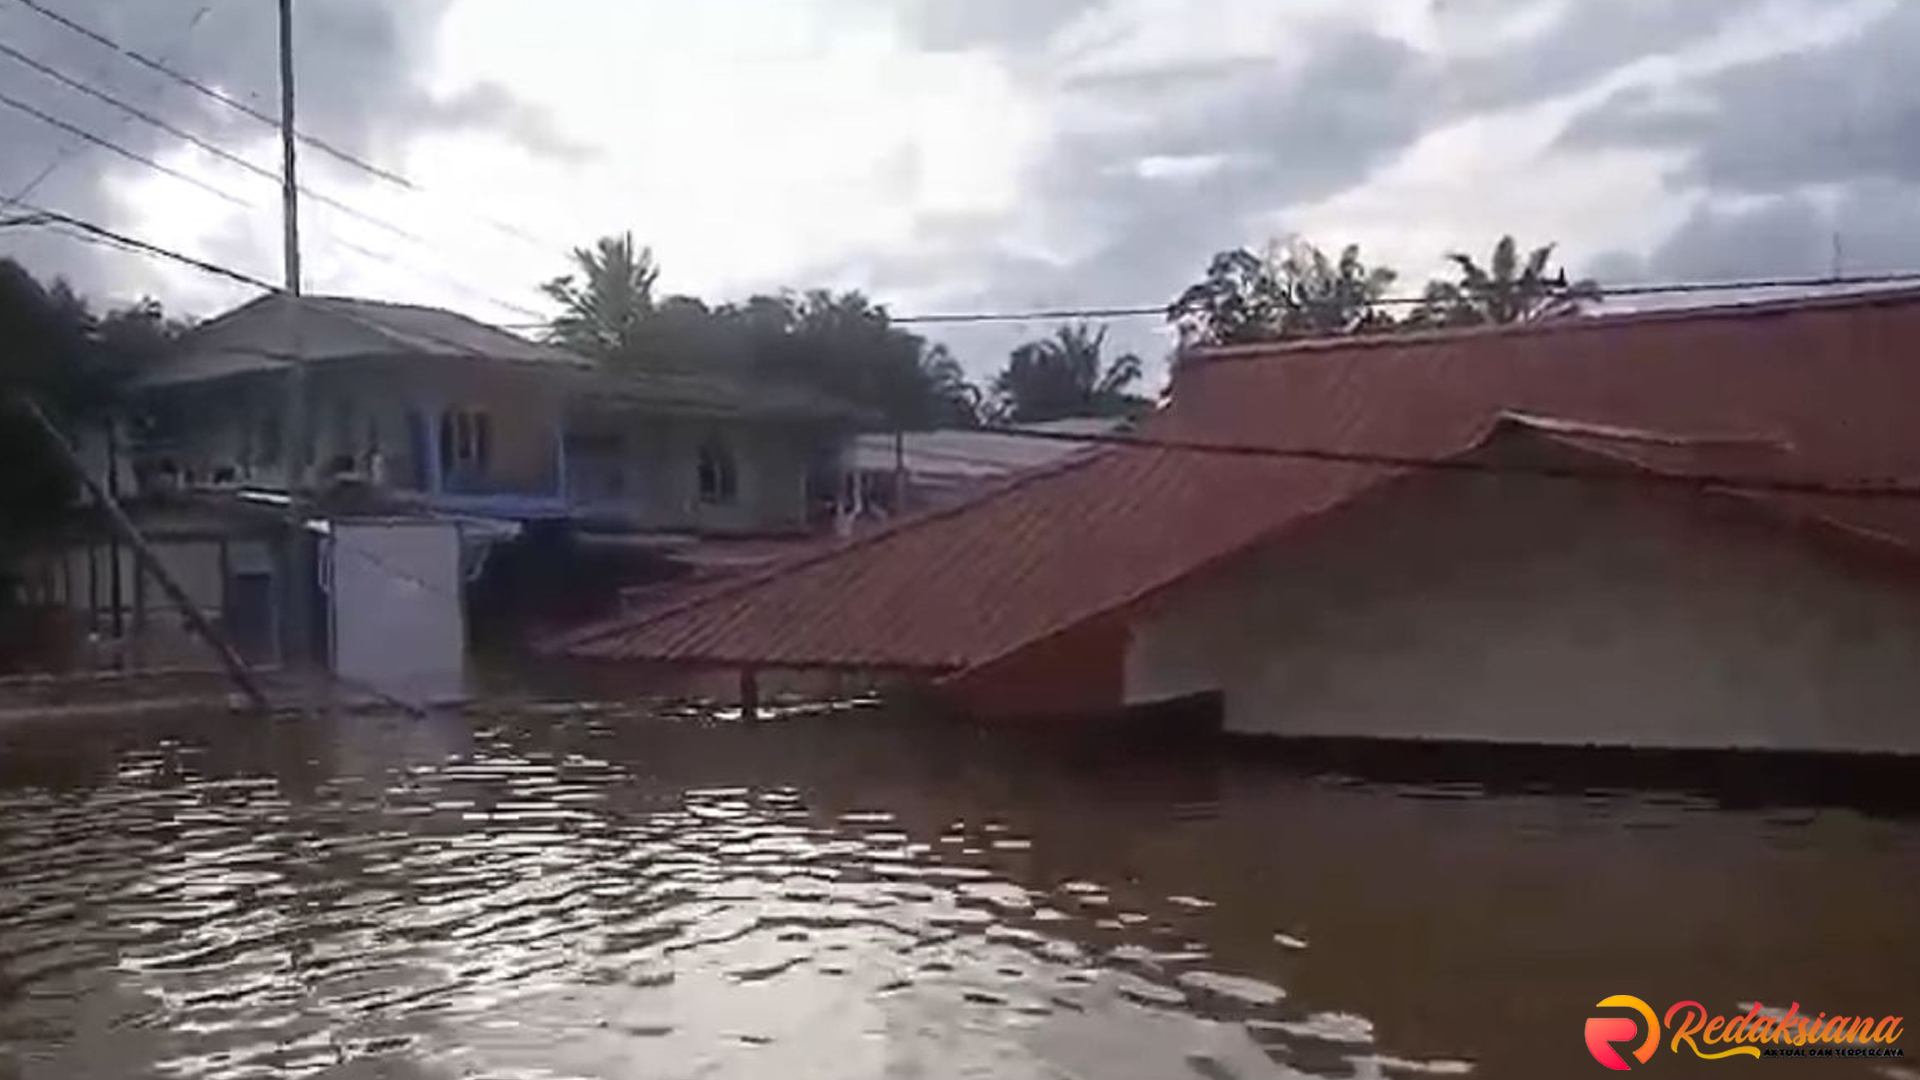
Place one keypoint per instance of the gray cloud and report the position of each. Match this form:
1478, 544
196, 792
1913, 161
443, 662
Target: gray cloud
1011, 24
1806, 163
1839, 114
1286, 136
1584, 42
1872, 228
1283, 135
1869, 228
491, 107
358, 66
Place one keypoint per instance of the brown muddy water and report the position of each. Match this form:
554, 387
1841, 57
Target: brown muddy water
862, 894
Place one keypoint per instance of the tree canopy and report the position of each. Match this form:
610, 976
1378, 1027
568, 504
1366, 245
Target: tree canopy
840, 344
1295, 290
71, 363
845, 345
1066, 375
1504, 291
606, 300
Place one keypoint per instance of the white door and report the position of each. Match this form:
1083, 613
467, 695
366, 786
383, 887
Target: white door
398, 617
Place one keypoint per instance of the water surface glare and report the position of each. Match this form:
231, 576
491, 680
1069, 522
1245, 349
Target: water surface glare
867, 895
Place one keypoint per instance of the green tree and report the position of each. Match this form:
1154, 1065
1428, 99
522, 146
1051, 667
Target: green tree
844, 345
1066, 375
73, 365
606, 301
1504, 291
1293, 291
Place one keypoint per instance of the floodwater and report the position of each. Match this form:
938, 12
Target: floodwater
860, 894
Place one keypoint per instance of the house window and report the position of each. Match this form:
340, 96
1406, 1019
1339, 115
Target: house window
466, 440
719, 474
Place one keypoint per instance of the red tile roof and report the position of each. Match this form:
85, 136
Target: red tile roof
1809, 389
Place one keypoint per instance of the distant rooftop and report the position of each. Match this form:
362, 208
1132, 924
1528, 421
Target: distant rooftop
258, 337
718, 393
959, 455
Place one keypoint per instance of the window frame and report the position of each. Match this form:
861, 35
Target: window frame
717, 473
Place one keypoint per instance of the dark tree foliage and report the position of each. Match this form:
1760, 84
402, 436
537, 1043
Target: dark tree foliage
1295, 291
1066, 375
55, 352
1504, 291
840, 344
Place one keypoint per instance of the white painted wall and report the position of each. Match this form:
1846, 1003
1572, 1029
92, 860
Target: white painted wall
398, 618
1533, 610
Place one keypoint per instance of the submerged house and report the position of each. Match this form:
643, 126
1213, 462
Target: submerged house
451, 415
1641, 530
416, 416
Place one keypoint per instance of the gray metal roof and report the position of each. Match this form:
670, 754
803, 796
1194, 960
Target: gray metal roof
719, 393
258, 337
957, 455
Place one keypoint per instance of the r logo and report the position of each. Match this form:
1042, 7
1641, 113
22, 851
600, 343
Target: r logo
1604, 1031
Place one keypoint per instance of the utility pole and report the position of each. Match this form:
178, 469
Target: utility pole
289, 177
297, 639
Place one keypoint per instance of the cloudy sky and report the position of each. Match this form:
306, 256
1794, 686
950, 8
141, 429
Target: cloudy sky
977, 154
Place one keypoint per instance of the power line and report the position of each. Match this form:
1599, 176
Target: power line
1848, 488
188, 81
108, 144
1652, 289
100, 233
93, 233
199, 87
61, 156
235, 159
1844, 488
137, 113
1679, 288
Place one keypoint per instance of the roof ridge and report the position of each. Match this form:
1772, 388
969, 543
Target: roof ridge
1287, 349
1563, 424
200, 328
781, 567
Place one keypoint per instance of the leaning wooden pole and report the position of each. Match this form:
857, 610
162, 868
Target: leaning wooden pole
149, 562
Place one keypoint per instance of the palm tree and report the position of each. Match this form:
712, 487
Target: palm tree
1065, 375
1505, 291
604, 303
949, 398
1292, 291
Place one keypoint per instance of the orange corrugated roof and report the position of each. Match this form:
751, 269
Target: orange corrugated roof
1831, 385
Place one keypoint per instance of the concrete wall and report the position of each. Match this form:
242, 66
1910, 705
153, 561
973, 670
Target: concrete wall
657, 459
1534, 610
360, 408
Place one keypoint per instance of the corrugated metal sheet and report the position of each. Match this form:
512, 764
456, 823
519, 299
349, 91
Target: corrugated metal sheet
1835, 381
721, 394
958, 455
255, 337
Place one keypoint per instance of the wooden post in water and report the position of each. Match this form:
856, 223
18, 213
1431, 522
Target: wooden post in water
139, 639
117, 595
749, 694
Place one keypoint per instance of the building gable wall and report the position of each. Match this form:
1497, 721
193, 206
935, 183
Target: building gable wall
1529, 609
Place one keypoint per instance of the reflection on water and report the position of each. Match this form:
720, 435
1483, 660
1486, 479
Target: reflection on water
860, 895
